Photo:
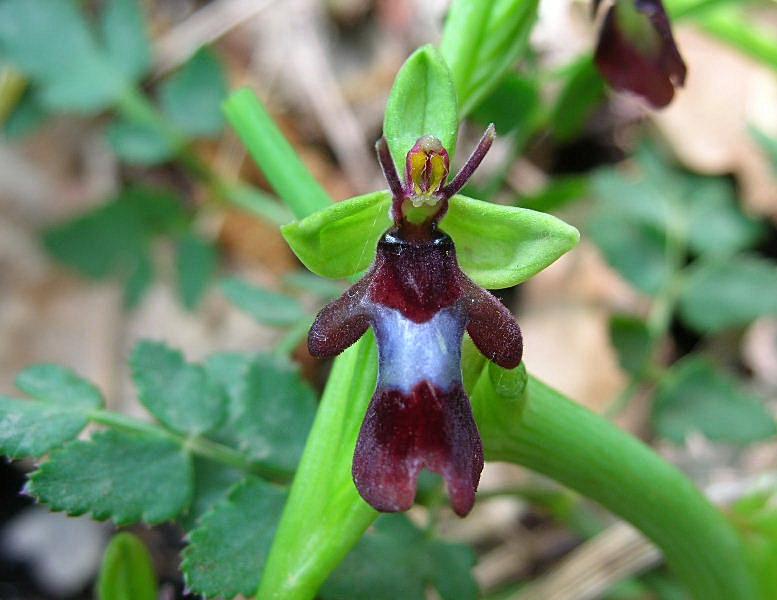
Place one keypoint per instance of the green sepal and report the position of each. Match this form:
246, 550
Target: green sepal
422, 102
497, 246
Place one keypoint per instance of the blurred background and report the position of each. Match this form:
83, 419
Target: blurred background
108, 235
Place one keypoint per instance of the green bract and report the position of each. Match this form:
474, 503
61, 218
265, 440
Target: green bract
498, 246
127, 572
422, 102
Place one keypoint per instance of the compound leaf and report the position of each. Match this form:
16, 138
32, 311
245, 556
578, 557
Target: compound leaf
178, 393
127, 477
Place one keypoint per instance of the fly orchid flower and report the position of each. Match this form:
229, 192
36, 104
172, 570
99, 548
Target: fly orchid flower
637, 52
419, 303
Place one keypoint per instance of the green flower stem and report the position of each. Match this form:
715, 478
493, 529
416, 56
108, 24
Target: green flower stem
286, 173
199, 446
136, 107
324, 516
544, 431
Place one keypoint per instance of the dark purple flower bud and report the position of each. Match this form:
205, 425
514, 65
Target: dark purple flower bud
637, 52
419, 303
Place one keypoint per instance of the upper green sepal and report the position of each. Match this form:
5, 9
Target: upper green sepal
498, 246
422, 102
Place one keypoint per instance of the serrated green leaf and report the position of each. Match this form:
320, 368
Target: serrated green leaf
127, 572
717, 225
125, 38
270, 308
422, 102
59, 385
631, 339
275, 410
58, 413
31, 428
395, 546
721, 294
636, 251
161, 210
656, 201
698, 397
50, 42
227, 550
114, 239
212, 482
127, 477
497, 246
138, 143
141, 274
179, 394
482, 41
229, 369
196, 262
192, 97
101, 242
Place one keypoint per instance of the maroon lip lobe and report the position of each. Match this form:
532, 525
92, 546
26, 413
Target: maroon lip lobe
405, 433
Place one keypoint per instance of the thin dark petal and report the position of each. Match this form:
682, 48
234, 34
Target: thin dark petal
404, 433
391, 175
493, 329
473, 162
340, 323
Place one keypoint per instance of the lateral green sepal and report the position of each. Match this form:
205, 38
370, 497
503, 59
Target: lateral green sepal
498, 246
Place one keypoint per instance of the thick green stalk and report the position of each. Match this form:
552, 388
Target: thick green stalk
272, 152
540, 429
324, 516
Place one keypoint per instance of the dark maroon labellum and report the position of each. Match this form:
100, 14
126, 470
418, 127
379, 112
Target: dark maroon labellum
636, 51
419, 303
